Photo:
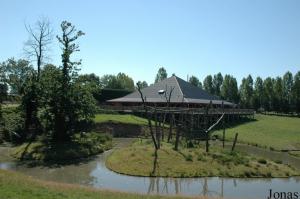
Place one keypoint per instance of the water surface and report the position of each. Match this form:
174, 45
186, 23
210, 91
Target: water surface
94, 173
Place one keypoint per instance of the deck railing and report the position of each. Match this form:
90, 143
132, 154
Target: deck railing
217, 111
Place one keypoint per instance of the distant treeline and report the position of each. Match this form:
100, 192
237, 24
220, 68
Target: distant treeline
280, 94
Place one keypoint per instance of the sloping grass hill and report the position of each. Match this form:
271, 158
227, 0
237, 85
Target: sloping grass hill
274, 132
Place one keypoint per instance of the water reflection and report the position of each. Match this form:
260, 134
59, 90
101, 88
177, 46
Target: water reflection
94, 173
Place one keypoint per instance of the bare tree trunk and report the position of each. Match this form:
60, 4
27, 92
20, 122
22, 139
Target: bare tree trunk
171, 127
148, 116
234, 142
178, 131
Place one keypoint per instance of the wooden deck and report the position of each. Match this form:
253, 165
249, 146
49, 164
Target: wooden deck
175, 110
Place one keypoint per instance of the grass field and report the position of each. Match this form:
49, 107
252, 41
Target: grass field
274, 132
116, 118
139, 160
18, 186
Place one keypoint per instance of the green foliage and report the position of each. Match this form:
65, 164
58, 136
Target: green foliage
120, 81
246, 92
17, 71
287, 90
13, 124
91, 82
195, 81
161, 74
142, 84
217, 83
81, 145
258, 93
208, 84
296, 91
229, 89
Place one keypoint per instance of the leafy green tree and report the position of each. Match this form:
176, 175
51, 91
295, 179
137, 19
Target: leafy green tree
3, 83
229, 89
121, 81
208, 84
142, 84
17, 72
73, 103
125, 81
287, 90
29, 105
91, 82
278, 94
268, 98
258, 93
296, 91
246, 92
195, 81
161, 74
217, 83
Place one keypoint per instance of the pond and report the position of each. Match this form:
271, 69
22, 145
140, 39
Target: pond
94, 173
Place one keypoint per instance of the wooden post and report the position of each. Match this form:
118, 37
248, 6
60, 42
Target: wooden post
223, 140
171, 127
178, 131
234, 142
223, 123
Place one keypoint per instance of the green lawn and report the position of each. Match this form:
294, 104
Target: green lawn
116, 118
268, 131
139, 160
18, 186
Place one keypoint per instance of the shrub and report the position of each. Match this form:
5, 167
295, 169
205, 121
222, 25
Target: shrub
278, 161
262, 161
189, 157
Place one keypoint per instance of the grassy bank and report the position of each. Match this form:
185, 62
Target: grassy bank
274, 132
78, 147
17, 186
139, 160
116, 118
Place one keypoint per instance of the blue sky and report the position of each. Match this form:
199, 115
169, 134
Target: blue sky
237, 37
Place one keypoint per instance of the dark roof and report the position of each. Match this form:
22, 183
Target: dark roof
183, 92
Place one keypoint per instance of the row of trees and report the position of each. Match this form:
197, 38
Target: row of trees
280, 94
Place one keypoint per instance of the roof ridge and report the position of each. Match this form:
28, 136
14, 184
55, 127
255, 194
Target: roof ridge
179, 86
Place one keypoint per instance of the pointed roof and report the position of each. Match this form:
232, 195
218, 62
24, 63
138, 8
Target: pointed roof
183, 92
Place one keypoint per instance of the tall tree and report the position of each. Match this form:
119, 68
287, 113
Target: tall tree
161, 74
287, 89
38, 44
258, 93
125, 81
73, 102
229, 89
195, 81
296, 91
246, 92
208, 84
278, 94
268, 99
217, 83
